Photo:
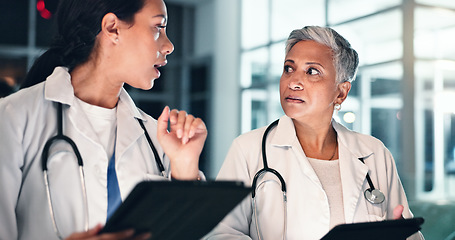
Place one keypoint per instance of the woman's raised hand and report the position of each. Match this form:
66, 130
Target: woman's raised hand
184, 142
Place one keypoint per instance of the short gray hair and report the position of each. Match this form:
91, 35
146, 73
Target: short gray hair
345, 58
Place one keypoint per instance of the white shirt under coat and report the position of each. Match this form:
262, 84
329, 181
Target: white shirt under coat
28, 119
308, 212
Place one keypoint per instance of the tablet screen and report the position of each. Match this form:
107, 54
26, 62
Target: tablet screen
388, 229
177, 209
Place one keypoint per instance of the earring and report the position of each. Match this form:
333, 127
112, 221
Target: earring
116, 40
337, 107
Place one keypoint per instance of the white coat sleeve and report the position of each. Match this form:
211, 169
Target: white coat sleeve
396, 193
237, 223
11, 163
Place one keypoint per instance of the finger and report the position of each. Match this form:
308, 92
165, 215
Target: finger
162, 123
126, 234
173, 119
90, 233
179, 126
173, 116
188, 125
398, 212
197, 126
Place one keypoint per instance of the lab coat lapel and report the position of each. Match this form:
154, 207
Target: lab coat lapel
128, 128
59, 89
353, 172
285, 136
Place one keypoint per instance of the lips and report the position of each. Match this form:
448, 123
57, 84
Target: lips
158, 65
294, 99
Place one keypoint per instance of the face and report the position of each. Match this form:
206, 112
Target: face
144, 45
308, 87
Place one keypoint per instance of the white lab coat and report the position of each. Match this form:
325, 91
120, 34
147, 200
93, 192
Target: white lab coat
308, 213
28, 120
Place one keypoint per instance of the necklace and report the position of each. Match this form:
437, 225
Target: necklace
334, 151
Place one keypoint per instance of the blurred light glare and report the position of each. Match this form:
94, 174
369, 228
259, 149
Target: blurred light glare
349, 117
40, 5
443, 102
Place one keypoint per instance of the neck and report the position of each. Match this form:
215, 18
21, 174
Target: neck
92, 85
317, 141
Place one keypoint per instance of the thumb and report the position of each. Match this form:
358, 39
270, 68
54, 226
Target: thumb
162, 123
398, 212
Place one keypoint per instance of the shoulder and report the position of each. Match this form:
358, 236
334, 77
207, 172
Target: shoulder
351, 136
24, 100
247, 138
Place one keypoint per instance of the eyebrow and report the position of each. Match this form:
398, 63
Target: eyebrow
161, 16
307, 63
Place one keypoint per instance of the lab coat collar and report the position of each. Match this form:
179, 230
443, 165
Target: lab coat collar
354, 144
285, 135
58, 88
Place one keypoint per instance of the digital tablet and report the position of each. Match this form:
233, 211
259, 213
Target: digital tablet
388, 229
176, 209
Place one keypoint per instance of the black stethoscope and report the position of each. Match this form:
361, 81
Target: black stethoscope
61, 136
372, 195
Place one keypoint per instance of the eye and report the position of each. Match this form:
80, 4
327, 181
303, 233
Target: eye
313, 71
159, 28
288, 68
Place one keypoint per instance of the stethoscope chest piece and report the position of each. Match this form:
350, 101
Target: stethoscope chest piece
374, 196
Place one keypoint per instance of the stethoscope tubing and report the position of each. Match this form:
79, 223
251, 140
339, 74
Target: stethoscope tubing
265, 163
372, 195
62, 137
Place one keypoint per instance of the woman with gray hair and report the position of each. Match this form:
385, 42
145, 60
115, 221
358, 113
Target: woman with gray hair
308, 172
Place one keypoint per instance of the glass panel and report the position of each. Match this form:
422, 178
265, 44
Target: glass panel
284, 20
435, 123
342, 10
435, 31
384, 79
255, 23
377, 38
275, 110
386, 126
14, 22
277, 61
254, 67
442, 3
254, 109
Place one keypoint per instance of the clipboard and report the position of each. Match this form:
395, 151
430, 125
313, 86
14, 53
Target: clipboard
389, 229
176, 209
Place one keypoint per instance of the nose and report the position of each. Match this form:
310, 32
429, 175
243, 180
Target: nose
295, 84
167, 47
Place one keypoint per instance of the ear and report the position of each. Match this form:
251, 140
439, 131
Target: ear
110, 27
343, 89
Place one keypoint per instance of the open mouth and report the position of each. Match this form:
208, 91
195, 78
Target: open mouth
158, 65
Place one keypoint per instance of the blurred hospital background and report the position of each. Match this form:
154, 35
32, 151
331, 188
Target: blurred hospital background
228, 60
